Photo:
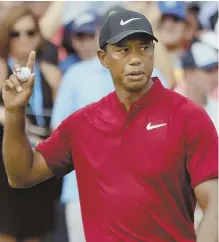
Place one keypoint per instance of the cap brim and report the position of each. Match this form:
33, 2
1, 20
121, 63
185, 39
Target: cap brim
84, 29
125, 34
181, 17
210, 66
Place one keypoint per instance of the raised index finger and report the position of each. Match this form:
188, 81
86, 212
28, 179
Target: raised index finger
31, 60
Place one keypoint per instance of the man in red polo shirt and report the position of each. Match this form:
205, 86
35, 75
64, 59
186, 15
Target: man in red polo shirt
143, 154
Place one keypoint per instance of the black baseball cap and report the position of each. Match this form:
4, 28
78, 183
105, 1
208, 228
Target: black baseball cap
200, 56
122, 24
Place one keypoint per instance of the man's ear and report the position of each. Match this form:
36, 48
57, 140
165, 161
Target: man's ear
102, 57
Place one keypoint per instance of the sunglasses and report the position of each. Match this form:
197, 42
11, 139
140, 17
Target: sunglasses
17, 34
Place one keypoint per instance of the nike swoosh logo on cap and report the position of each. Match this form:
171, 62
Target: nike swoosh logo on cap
128, 21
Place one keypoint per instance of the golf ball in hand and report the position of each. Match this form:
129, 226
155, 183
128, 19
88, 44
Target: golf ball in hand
24, 74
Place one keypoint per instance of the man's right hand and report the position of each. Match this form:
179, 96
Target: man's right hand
24, 166
16, 94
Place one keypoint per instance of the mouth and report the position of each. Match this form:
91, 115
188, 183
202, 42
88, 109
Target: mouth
135, 75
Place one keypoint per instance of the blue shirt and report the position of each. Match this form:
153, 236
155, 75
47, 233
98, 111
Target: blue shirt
68, 62
83, 83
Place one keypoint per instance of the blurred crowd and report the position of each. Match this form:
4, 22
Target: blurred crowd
70, 76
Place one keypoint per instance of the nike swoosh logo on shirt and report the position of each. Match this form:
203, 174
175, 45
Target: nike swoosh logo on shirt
150, 127
128, 21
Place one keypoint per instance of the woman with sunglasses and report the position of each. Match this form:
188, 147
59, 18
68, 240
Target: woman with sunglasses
28, 215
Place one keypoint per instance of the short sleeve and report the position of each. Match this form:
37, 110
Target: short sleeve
201, 144
57, 152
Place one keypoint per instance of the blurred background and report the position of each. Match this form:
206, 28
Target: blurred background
69, 76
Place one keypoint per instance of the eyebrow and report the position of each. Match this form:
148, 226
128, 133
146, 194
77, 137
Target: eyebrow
121, 44
125, 44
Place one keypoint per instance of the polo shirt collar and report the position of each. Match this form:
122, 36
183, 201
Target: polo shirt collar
149, 97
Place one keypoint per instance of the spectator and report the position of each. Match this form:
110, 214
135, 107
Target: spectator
200, 66
80, 39
193, 26
210, 38
19, 34
19, 26
172, 25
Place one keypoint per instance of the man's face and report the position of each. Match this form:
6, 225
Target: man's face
204, 81
130, 62
85, 45
171, 30
192, 27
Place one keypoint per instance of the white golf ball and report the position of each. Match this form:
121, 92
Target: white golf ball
24, 74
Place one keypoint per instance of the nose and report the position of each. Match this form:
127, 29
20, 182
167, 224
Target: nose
24, 37
134, 60
169, 23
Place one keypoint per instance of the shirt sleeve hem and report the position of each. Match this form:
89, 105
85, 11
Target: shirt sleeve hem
58, 174
209, 176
